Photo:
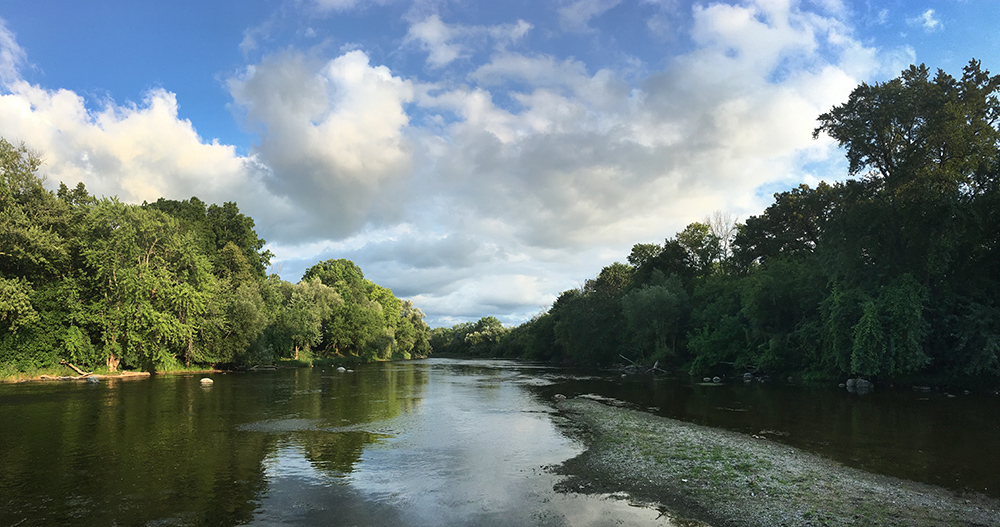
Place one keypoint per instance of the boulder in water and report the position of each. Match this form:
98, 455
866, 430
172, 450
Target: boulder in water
205, 381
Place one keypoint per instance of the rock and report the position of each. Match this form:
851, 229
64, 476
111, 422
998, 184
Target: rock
747, 377
842, 385
205, 381
93, 380
851, 383
863, 387
707, 379
341, 369
717, 379
558, 397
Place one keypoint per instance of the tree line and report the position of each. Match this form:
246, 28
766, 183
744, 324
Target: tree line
100, 283
892, 273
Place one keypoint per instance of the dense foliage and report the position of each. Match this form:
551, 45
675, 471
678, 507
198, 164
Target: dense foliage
892, 273
100, 283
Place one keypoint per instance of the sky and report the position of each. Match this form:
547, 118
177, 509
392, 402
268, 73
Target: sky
477, 158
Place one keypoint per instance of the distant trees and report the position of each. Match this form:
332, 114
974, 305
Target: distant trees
100, 283
894, 272
370, 322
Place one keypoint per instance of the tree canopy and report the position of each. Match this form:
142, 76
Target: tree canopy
104, 284
893, 272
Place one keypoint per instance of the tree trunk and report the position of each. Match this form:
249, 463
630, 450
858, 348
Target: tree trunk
113, 363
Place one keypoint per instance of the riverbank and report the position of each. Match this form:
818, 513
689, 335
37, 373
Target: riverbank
51, 376
728, 479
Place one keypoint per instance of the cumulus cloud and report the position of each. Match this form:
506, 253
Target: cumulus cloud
332, 136
584, 158
575, 160
135, 151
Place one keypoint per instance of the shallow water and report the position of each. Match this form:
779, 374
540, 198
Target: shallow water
948, 440
435, 442
432, 442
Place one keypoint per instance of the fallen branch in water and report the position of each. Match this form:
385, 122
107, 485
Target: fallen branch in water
74, 368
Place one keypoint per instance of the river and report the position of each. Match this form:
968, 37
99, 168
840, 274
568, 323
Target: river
431, 442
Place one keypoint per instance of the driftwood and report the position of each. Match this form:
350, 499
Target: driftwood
656, 368
74, 368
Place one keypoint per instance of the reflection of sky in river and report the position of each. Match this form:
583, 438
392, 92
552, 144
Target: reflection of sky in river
473, 452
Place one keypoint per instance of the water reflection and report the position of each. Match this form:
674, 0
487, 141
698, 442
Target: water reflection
472, 450
433, 442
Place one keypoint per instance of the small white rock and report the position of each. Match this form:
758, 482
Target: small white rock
206, 381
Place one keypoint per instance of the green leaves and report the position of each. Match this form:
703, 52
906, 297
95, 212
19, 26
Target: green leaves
148, 289
15, 305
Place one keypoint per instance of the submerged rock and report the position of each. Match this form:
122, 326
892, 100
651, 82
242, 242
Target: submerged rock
93, 380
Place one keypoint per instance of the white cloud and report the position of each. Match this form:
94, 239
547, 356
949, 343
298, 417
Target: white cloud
927, 21
445, 43
332, 134
137, 152
434, 37
576, 15
12, 57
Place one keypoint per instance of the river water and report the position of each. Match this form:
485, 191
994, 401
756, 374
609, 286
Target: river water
422, 443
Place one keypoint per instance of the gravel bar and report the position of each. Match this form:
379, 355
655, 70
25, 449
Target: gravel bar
728, 479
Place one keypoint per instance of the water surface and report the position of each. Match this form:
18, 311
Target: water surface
436, 442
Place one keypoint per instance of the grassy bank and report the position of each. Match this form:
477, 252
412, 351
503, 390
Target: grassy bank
728, 479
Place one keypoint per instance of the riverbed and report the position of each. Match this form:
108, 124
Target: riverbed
430, 442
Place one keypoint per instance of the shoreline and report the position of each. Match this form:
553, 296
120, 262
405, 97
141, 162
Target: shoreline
103, 376
728, 479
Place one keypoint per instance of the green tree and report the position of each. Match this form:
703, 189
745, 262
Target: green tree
148, 289
655, 314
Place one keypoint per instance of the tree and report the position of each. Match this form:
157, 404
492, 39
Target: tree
148, 289
655, 314
928, 151
302, 311
704, 249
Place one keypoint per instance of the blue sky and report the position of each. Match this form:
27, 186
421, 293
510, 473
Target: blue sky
478, 158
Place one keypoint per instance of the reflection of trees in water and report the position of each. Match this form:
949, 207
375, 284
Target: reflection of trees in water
128, 454
335, 453
333, 400
166, 449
